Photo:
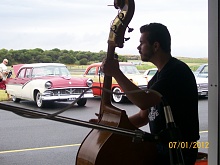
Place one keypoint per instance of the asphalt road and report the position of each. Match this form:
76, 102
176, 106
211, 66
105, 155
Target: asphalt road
27, 141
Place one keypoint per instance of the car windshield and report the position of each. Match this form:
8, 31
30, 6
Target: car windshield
50, 71
202, 71
152, 72
129, 69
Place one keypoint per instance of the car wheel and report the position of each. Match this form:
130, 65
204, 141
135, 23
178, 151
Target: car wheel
117, 98
38, 98
15, 99
82, 102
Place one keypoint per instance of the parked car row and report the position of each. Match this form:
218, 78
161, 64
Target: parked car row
201, 76
45, 83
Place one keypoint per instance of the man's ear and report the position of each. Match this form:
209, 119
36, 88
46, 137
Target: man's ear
156, 46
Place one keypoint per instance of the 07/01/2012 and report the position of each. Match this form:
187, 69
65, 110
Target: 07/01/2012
189, 145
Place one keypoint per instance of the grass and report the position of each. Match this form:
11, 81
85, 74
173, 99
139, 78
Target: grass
193, 63
3, 95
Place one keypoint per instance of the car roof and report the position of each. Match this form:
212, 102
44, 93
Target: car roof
42, 64
121, 63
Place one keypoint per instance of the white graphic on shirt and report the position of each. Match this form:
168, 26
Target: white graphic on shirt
153, 113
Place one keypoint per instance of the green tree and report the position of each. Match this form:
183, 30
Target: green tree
122, 59
67, 59
5, 54
83, 61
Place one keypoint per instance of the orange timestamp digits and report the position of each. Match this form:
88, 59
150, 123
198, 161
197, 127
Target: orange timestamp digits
189, 145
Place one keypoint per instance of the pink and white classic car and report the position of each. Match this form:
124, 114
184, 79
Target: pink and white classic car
47, 82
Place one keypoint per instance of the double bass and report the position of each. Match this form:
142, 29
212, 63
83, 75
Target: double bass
102, 147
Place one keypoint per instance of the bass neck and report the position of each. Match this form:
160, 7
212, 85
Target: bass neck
107, 84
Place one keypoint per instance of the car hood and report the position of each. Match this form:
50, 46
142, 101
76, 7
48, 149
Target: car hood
137, 79
64, 81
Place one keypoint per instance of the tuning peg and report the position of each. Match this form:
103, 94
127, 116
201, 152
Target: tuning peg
119, 4
114, 28
126, 39
130, 30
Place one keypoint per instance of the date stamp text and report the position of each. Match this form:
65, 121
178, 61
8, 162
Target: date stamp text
189, 145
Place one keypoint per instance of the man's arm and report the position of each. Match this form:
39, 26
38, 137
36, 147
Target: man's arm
139, 119
142, 99
1, 76
5, 72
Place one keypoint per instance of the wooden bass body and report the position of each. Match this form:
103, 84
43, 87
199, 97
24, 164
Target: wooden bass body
105, 148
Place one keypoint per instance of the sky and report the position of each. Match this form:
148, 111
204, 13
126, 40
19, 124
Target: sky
84, 25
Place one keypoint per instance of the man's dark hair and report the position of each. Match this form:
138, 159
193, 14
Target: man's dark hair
158, 33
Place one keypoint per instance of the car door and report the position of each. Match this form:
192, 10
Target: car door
22, 79
27, 78
15, 85
97, 76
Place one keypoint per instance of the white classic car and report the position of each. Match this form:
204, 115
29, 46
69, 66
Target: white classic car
201, 75
150, 73
47, 82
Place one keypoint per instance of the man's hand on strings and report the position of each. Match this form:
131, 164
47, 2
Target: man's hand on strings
110, 67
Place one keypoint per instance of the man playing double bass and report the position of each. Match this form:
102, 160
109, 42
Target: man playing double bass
174, 80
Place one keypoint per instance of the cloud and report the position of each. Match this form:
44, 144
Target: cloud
85, 24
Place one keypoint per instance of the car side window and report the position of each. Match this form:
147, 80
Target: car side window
34, 72
92, 71
21, 73
100, 72
28, 73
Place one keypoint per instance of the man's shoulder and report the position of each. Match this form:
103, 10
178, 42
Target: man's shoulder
176, 72
178, 62
3, 66
177, 65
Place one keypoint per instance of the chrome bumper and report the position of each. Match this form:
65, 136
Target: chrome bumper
203, 93
54, 95
67, 97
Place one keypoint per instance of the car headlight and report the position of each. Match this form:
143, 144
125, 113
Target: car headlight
48, 84
89, 82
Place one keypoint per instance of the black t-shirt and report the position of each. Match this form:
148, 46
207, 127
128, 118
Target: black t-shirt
177, 85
